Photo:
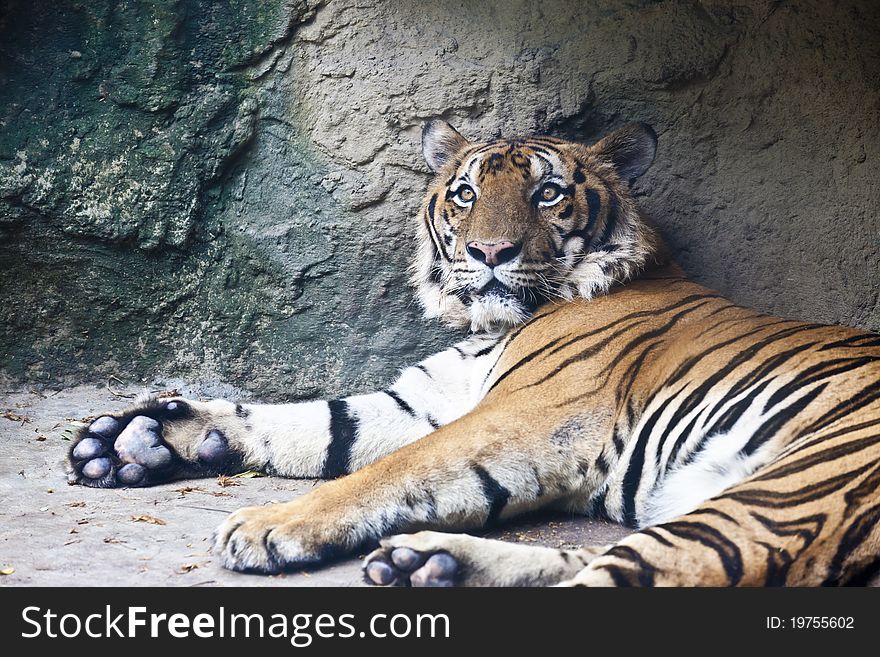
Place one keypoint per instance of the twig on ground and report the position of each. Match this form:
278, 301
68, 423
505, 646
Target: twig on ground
118, 394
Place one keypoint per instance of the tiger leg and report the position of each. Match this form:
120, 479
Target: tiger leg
468, 474
810, 518
161, 439
438, 559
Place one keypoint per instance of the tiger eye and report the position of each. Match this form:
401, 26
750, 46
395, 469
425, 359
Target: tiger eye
466, 194
549, 192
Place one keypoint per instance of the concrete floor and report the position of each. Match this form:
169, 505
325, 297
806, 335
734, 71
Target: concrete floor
52, 534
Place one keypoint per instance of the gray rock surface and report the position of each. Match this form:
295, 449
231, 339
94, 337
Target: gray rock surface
225, 192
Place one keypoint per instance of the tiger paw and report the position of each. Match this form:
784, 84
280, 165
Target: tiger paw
279, 537
419, 560
135, 448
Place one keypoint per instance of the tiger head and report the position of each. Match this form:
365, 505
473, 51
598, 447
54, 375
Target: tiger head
510, 224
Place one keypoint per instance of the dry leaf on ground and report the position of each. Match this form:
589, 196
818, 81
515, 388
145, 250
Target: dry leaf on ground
189, 567
189, 489
248, 474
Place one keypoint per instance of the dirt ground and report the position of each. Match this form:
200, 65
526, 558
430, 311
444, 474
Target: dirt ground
53, 534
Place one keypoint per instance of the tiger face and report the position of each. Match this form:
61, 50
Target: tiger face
510, 224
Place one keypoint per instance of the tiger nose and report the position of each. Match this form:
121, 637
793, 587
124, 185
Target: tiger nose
493, 253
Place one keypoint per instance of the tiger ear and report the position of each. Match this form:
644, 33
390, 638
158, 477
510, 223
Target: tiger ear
630, 149
440, 143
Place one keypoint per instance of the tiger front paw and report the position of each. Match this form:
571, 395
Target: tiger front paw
153, 442
278, 537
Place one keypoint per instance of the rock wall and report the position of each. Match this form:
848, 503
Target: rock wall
225, 192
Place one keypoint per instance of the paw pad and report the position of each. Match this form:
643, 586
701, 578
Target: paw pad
131, 474
105, 426
97, 468
88, 448
214, 449
140, 443
439, 570
380, 573
403, 566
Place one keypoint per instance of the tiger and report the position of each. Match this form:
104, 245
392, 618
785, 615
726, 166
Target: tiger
593, 377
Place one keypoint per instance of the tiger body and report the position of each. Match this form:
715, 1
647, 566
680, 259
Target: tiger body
599, 380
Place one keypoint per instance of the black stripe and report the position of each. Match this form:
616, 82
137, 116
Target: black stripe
701, 392
732, 415
766, 368
641, 572
865, 575
406, 408
772, 426
436, 272
825, 455
814, 490
861, 528
865, 340
628, 348
429, 224
343, 434
779, 559
749, 379
689, 364
618, 441
602, 463
496, 494
610, 220
721, 426
639, 314
544, 140
485, 350
510, 337
585, 233
591, 350
679, 443
633, 476
594, 349
594, 203
628, 378
652, 533
539, 485
865, 396
523, 361
728, 552
709, 511
546, 149
815, 374
597, 507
